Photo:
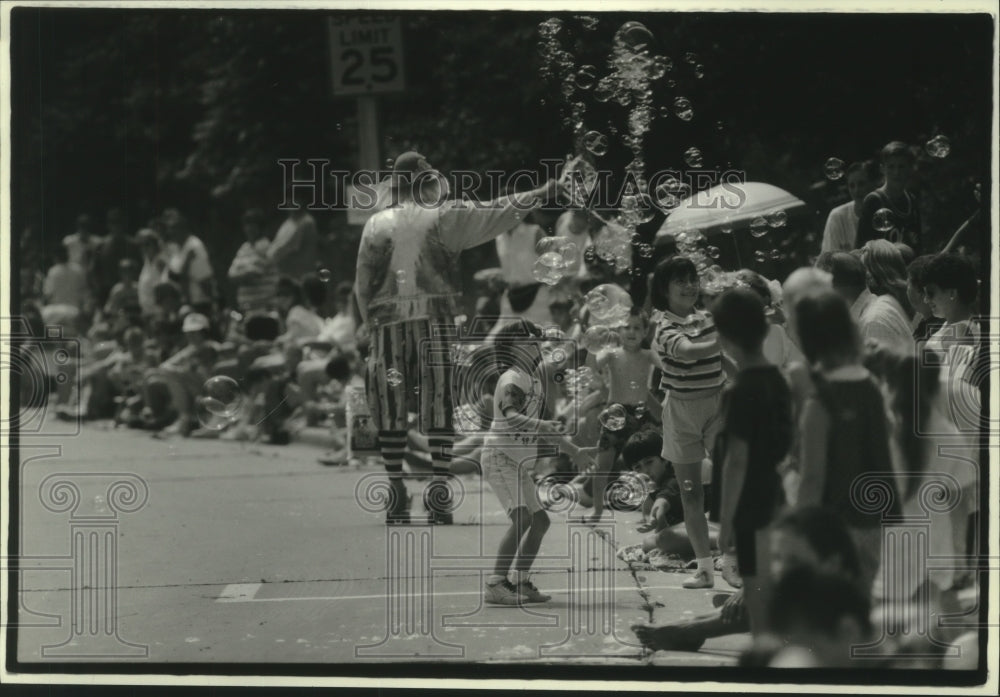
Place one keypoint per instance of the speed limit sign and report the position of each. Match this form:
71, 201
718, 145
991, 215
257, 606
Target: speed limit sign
366, 54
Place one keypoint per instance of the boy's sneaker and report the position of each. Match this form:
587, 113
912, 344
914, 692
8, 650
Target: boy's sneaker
528, 590
701, 579
503, 593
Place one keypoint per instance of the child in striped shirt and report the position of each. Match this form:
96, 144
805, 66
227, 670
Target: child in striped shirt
685, 344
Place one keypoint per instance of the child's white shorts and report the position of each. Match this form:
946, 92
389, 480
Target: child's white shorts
690, 426
510, 481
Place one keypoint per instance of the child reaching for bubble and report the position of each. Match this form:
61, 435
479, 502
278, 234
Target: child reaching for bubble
685, 345
627, 408
520, 424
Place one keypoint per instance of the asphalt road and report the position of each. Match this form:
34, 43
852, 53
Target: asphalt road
221, 552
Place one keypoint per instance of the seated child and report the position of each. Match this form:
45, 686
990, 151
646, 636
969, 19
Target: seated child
663, 511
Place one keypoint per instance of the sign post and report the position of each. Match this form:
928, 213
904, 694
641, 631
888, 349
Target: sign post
366, 53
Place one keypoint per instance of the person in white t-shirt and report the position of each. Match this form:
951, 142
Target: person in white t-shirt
66, 284
524, 296
81, 245
189, 265
841, 229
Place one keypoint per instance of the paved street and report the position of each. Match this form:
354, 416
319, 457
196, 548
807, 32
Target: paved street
248, 553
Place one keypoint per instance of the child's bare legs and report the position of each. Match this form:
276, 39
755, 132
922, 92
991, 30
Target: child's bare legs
538, 525
509, 542
522, 540
695, 522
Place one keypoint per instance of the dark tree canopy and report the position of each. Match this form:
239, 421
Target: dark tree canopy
146, 109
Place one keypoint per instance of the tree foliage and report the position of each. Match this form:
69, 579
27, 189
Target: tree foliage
149, 108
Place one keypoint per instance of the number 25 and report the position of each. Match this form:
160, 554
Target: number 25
380, 57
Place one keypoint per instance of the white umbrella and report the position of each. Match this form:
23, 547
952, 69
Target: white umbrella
731, 204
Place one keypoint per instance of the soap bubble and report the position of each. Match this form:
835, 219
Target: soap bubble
210, 413
225, 395
390, 163
400, 277
546, 244
567, 250
693, 157
713, 251
699, 71
777, 218
938, 146
658, 67
585, 77
666, 198
604, 90
613, 418
645, 250
833, 168
760, 256
776, 255
325, 275
726, 226
588, 22
549, 268
593, 338
612, 341
633, 35
596, 143
690, 58
682, 107
550, 27
608, 302
394, 377
584, 377
883, 220
759, 227
639, 120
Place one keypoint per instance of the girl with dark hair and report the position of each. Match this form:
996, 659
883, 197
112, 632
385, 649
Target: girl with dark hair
844, 447
685, 345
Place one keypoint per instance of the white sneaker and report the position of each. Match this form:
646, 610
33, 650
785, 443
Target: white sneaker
503, 593
701, 579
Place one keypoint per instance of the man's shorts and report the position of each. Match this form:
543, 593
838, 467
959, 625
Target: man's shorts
636, 419
416, 356
510, 481
690, 426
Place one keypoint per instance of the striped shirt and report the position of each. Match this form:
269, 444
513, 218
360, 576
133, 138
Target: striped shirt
682, 375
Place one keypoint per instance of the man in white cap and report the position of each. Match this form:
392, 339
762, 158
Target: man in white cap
172, 387
408, 287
